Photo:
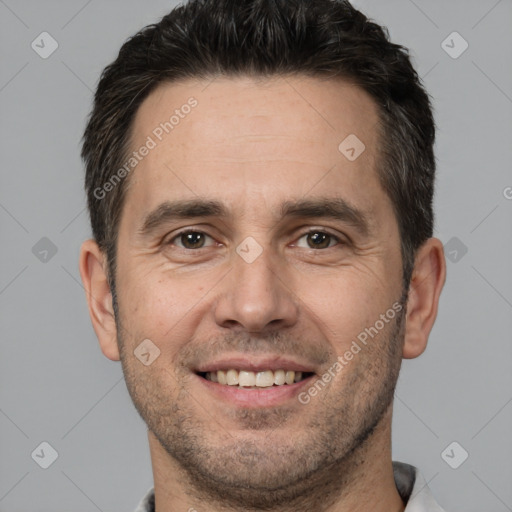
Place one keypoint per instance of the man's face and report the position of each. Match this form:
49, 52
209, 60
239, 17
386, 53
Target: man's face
266, 278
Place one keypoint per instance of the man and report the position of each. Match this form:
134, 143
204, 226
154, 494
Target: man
260, 177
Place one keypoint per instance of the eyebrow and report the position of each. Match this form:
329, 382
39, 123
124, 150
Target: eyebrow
182, 209
331, 208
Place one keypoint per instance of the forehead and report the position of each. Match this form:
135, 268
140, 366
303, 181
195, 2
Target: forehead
238, 136
324, 110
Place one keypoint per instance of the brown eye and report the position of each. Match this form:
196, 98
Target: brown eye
318, 240
190, 240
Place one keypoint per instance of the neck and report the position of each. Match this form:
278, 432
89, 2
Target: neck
361, 481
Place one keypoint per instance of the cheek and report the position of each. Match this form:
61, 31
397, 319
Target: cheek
160, 308
347, 301
146, 305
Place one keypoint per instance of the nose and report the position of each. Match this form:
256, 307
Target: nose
255, 297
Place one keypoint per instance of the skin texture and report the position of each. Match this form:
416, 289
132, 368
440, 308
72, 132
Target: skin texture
253, 144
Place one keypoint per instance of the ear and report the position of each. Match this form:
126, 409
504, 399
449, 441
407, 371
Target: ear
99, 298
427, 281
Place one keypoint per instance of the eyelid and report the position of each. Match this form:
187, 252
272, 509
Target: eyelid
185, 231
338, 239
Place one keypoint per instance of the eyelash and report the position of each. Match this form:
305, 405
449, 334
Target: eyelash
310, 231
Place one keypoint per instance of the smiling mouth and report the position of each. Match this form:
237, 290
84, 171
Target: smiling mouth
255, 380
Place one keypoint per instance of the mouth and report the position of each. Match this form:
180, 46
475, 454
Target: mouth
254, 383
247, 379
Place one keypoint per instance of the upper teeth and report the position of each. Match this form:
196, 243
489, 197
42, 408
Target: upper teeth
263, 379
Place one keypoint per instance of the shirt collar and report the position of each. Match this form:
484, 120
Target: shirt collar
413, 489
410, 484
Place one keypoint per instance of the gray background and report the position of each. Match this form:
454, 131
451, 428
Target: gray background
55, 384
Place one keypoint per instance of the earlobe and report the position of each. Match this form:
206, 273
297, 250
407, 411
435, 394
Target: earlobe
99, 298
427, 281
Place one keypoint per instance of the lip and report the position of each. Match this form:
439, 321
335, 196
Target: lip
255, 364
255, 398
